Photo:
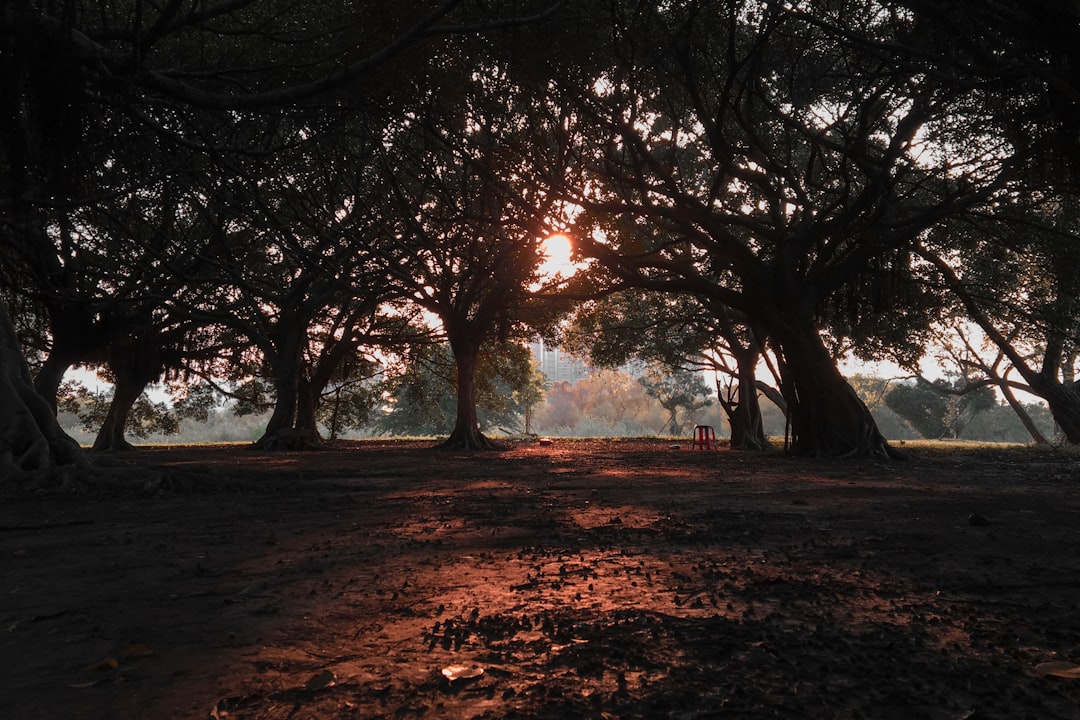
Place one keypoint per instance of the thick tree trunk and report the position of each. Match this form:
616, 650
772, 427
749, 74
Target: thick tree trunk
744, 410
747, 430
31, 440
50, 375
466, 434
110, 436
136, 361
288, 428
280, 432
307, 404
673, 425
77, 338
828, 419
1064, 402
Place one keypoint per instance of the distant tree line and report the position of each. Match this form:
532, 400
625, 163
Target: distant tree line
605, 403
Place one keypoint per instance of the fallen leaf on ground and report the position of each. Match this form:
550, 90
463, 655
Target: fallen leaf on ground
138, 651
320, 680
461, 672
79, 685
1059, 669
226, 705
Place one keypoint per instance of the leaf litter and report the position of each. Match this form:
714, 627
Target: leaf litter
714, 593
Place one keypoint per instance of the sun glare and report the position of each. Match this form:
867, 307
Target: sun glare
557, 250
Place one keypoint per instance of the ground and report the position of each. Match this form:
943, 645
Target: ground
571, 580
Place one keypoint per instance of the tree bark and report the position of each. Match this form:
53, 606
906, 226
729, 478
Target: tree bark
466, 434
136, 361
110, 436
1064, 402
280, 433
31, 440
744, 413
308, 395
828, 419
288, 428
50, 375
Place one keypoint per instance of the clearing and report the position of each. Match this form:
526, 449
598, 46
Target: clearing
600, 579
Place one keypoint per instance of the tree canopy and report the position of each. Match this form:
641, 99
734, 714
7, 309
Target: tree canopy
279, 195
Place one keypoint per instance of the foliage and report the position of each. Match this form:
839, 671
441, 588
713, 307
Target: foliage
940, 409
1000, 424
352, 399
676, 389
147, 417
609, 399
421, 396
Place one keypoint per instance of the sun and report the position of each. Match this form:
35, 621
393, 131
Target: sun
557, 251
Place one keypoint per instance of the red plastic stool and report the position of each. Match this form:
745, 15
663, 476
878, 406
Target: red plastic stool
704, 438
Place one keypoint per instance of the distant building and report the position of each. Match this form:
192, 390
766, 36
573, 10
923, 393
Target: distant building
557, 364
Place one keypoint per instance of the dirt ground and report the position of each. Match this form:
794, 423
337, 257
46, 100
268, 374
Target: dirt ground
607, 579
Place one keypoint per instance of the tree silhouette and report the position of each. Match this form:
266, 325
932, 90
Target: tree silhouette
676, 389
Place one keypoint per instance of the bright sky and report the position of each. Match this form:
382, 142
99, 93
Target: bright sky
557, 252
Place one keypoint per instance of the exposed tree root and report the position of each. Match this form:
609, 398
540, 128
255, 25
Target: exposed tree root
288, 439
111, 443
464, 440
31, 440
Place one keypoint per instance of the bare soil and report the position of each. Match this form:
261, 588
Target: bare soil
577, 580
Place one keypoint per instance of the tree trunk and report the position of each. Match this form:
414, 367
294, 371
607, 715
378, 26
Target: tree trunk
744, 410
744, 417
136, 361
1064, 402
828, 419
31, 440
674, 426
111, 435
280, 433
77, 338
284, 431
466, 434
308, 397
50, 375
1025, 417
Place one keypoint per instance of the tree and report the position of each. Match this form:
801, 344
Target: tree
606, 402
463, 241
144, 418
770, 162
681, 330
285, 276
1010, 267
1017, 282
72, 70
940, 409
31, 439
676, 389
959, 352
423, 394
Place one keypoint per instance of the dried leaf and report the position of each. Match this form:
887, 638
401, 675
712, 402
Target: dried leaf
1059, 669
320, 680
224, 707
138, 651
462, 672
108, 664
